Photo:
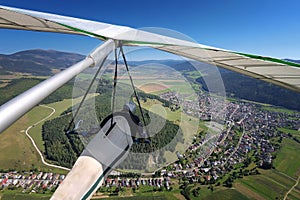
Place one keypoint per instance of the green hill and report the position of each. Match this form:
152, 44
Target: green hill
37, 62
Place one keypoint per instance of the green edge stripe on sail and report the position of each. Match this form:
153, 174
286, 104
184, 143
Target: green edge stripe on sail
96, 183
83, 31
104, 174
129, 42
276, 60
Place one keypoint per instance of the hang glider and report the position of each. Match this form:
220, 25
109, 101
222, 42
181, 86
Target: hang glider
89, 171
283, 73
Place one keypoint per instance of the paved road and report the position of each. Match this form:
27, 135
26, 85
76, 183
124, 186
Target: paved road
35, 146
231, 125
237, 146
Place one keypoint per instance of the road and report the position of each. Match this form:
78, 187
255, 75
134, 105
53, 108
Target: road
35, 146
231, 125
237, 146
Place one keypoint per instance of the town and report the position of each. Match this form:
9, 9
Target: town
248, 137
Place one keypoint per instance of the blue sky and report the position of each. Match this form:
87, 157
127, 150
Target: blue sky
264, 27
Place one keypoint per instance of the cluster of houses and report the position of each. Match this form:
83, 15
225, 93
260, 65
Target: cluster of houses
30, 181
161, 182
249, 128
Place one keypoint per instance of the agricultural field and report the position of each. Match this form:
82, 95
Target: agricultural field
225, 194
288, 158
275, 183
291, 131
18, 195
277, 109
158, 79
16, 150
267, 185
153, 88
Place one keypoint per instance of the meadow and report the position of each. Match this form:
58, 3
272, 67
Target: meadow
16, 150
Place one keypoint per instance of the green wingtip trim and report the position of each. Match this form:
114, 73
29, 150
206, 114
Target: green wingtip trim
83, 31
129, 42
276, 60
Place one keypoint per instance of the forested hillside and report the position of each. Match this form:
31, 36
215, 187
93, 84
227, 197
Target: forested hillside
244, 87
18, 86
37, 62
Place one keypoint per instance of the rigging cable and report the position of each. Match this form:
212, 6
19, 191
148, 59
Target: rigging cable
115, 84
134, 90
85, 95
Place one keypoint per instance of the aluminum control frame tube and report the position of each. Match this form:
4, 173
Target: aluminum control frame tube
20, 105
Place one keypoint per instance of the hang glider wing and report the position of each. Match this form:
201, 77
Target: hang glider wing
276, 71
283, 73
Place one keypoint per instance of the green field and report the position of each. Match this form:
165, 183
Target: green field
226, 194
193, 74
287, 130
154, 197
180, 86
277, 109
189, 125
265, 188
288, 158
36, 131
17, 151
168, 78
17, 195
275, 183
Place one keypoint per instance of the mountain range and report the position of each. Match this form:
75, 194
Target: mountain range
291, 60
37, 62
